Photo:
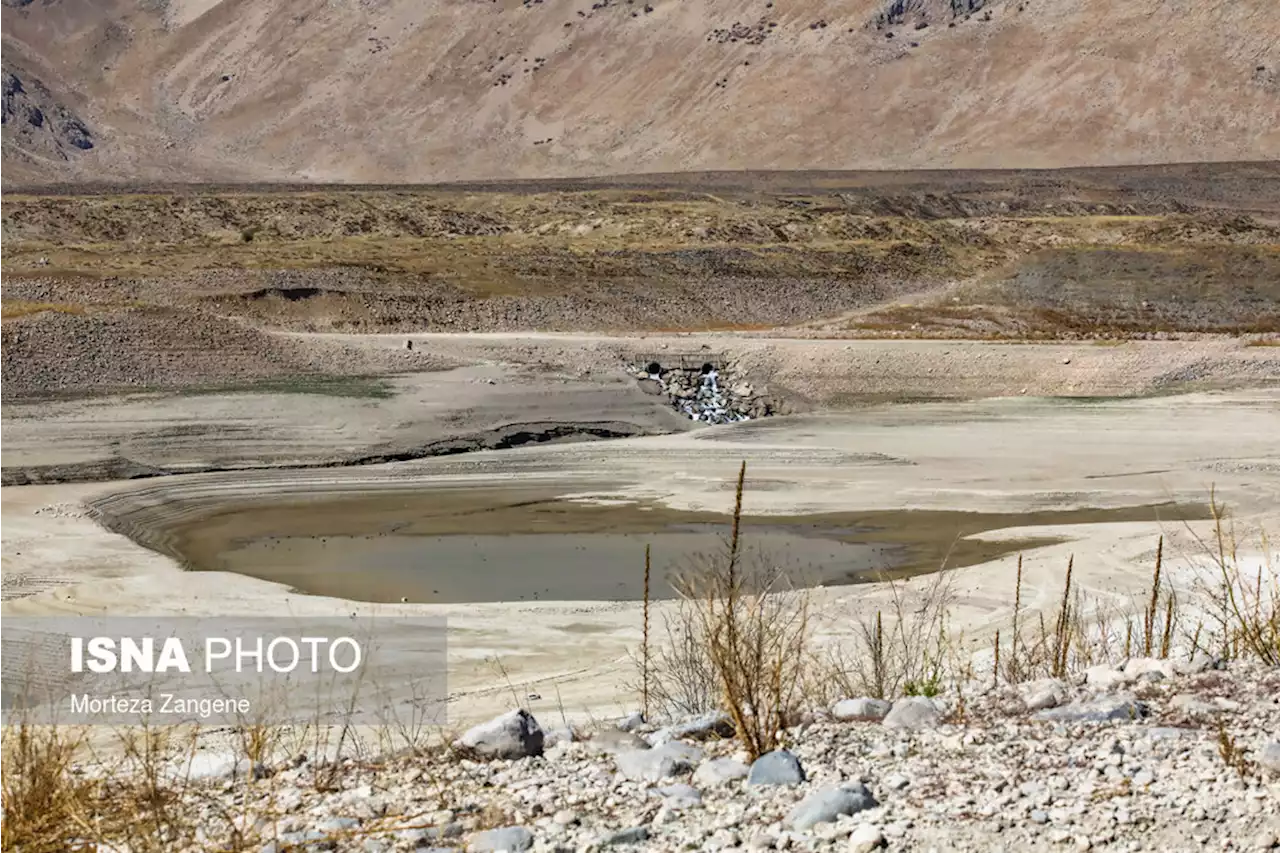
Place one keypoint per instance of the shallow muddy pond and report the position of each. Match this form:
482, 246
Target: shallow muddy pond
518, 544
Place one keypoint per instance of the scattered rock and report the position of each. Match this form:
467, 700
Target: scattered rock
779, 767
861, 710
913, 712
1100, 709
718, 771
701, 727
509, 838
515, 734
616, 740
662, 762
680, 796
865, 838
703, 393
1269, 757
830, 803
634, 835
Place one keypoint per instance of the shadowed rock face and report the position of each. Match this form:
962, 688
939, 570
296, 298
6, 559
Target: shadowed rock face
921, 14
394, 91
36, 123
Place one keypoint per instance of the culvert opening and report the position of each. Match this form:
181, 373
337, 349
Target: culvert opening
703, 388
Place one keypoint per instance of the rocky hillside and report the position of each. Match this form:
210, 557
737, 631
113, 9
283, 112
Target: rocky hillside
394, 90
38, 128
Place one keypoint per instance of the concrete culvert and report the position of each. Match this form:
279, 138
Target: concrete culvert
654, 368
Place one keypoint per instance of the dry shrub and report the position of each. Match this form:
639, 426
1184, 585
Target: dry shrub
1241, 602
681, 678
752, 629
1085, 631
45, 800
906, 654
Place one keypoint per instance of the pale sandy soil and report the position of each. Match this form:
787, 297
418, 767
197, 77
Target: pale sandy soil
545, 378
1010, 454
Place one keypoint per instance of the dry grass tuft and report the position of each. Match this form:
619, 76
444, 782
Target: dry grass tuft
45, 801
14, 308
1241, 601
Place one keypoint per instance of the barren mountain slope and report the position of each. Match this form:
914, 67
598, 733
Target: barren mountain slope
397, 90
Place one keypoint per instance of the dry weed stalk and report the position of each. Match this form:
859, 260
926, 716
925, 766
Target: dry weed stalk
909, 654
1244, 604
755, 631
644, 641
1231, 754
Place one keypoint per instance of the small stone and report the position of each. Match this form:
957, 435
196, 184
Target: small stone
1269, 757
776, 768
565, 817
718, 771
865, 838
654, 765
1042, 695
913, 712
515, 734
701, 727
509, 838
630, 722
680, 796
861, 710
616, 740
830, 803
634, 835
1101, 709
1039, 816
338, 824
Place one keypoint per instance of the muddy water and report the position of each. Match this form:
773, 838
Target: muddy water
465, 545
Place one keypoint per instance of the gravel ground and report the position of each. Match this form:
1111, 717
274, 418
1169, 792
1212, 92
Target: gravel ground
1122, 759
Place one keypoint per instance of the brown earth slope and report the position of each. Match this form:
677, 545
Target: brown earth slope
183, 287
397, 90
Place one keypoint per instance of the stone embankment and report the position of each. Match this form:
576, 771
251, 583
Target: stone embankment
704, 392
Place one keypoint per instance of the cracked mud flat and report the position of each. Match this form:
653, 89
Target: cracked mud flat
1016, 456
